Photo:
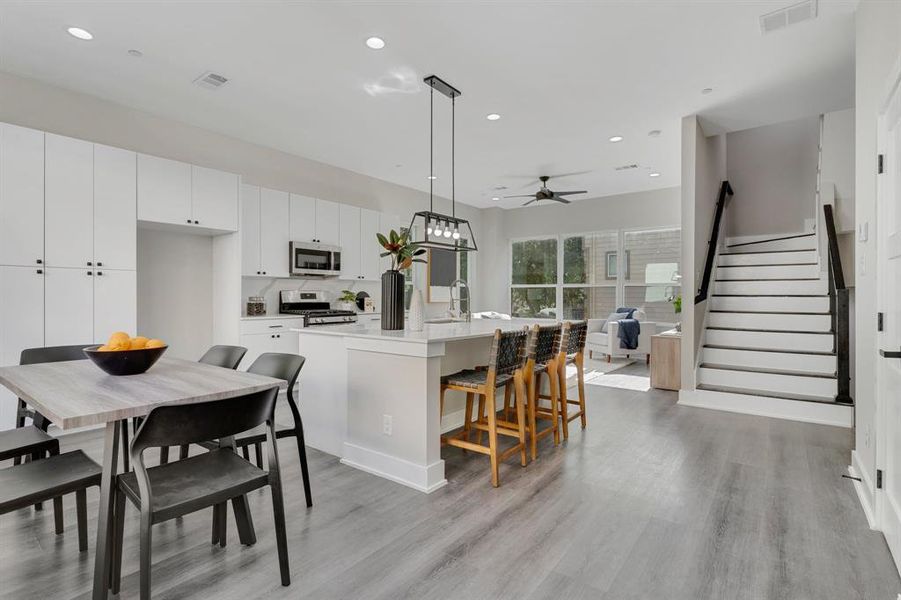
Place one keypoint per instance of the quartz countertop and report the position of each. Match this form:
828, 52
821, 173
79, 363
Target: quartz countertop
432, 332
272, 316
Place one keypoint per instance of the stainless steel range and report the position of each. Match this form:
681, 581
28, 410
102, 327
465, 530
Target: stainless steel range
313, 307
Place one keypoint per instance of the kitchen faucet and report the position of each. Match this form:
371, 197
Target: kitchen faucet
451, 309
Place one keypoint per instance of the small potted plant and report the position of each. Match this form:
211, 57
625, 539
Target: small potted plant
676, 301
347, 300
403, 254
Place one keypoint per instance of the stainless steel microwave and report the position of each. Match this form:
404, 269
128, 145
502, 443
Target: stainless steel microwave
309, 259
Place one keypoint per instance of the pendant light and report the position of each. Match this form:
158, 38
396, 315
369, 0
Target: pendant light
440, 231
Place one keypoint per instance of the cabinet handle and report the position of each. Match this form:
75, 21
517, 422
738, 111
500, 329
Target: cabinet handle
40, 271
189, 221
89, 273
39, 261
264, 272
99, 272
197, 222
89, 263
276, 326
99, 264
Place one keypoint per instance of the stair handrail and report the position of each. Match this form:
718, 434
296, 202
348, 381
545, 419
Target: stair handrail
840, 308
725, 191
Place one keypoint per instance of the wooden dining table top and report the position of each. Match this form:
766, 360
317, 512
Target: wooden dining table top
77, 393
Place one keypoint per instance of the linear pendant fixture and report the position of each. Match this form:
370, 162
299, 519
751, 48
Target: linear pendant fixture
436, 230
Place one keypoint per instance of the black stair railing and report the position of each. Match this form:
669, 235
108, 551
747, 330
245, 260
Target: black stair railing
839, 307
725, 192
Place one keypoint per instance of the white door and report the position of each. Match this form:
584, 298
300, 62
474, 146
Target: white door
303, 218
164, 190
21, 324
275, 232
115, 303
21, 196
115, 208
370, 249
68, 306
327, 220
214, 199
68, 202
349, 240
250, 230
888, 410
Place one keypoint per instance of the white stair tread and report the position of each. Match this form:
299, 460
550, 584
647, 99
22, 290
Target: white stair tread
771, 340
783, 396
774, 361
769, 321
774, 350
772, 287
772, 383
797, 304
771, 371
780, 257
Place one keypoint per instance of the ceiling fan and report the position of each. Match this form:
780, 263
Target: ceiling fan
545, 194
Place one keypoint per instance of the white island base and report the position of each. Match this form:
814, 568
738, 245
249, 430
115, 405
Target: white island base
371, 396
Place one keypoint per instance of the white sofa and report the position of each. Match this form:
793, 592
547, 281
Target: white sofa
607, 344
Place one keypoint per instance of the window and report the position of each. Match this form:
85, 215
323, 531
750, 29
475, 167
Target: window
586, 276
534, 278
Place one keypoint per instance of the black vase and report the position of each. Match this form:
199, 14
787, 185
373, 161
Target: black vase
392, 300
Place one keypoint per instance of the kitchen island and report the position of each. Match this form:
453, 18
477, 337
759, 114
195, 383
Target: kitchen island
371, 396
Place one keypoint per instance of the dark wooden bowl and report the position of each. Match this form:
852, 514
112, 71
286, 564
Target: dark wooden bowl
125, 362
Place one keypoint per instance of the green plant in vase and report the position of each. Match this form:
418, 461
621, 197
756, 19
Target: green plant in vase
347, 300
403, 254
676, 301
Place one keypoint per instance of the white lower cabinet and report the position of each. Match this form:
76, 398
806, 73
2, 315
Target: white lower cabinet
68, 306
268, 335
115, 303
21, 325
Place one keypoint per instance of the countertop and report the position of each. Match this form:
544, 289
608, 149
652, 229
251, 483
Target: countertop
432, 332
272, 316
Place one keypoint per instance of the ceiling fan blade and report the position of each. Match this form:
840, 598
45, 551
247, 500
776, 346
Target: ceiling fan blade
531, 201
566, 193
521, 196
557, 198
559, 175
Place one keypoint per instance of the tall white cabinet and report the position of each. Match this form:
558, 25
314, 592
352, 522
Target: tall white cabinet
21, 195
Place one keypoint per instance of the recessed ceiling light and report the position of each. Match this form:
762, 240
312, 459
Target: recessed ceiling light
654, 174
706, 91
654, 133
493, 117
80, 33
136, 53
433, 177
495, 198
376, 43
616, 138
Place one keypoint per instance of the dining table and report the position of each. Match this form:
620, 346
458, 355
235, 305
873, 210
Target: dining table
77, 394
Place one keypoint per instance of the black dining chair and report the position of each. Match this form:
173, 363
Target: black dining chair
227, 357
30, 441
286, 367
210, 479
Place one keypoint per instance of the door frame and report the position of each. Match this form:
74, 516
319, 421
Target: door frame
887, 517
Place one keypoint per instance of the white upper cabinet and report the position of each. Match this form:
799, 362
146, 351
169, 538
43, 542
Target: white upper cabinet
115, 208
275, 233
115, 303
68, 306
327, 222
21, 196
214, 199
68, 202
164, 190
303, 218
250, 230
370, 249
349, 240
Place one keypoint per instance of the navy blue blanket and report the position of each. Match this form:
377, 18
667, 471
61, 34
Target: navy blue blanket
628, 332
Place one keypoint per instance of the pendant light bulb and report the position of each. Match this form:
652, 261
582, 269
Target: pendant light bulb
447, 230
429, 227
438, 229
456, 235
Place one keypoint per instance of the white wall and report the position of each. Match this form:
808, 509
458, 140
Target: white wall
838, 164
175, 291
655, 208
703, 171
878, 50
773, 171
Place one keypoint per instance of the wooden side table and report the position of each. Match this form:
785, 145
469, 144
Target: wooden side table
666, 360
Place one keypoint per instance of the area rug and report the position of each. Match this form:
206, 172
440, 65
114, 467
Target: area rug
603, 373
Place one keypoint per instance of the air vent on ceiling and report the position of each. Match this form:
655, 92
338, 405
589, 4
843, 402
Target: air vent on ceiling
626, 167
211, 81
786, 17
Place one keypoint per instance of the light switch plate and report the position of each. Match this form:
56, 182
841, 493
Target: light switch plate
863, 231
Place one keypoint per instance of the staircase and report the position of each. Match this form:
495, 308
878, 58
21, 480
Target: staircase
769, 344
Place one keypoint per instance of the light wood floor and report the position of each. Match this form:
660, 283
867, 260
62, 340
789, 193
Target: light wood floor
652, 501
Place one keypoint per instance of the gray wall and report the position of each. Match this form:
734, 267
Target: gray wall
773, 170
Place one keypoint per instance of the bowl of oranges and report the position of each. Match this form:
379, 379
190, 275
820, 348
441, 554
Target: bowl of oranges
126, 355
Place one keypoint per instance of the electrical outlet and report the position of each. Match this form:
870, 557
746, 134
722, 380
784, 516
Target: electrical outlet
387, 424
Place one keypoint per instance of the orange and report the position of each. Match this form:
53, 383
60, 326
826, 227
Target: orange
154, 344
138, 343
104, 348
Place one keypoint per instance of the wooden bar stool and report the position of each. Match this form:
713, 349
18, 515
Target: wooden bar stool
572, 352
541, 358
505, 365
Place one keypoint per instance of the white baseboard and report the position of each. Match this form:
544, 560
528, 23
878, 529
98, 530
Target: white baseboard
426, 478
777, 408
864, 489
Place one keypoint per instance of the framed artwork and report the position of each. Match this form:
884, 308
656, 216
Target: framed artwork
610, 264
